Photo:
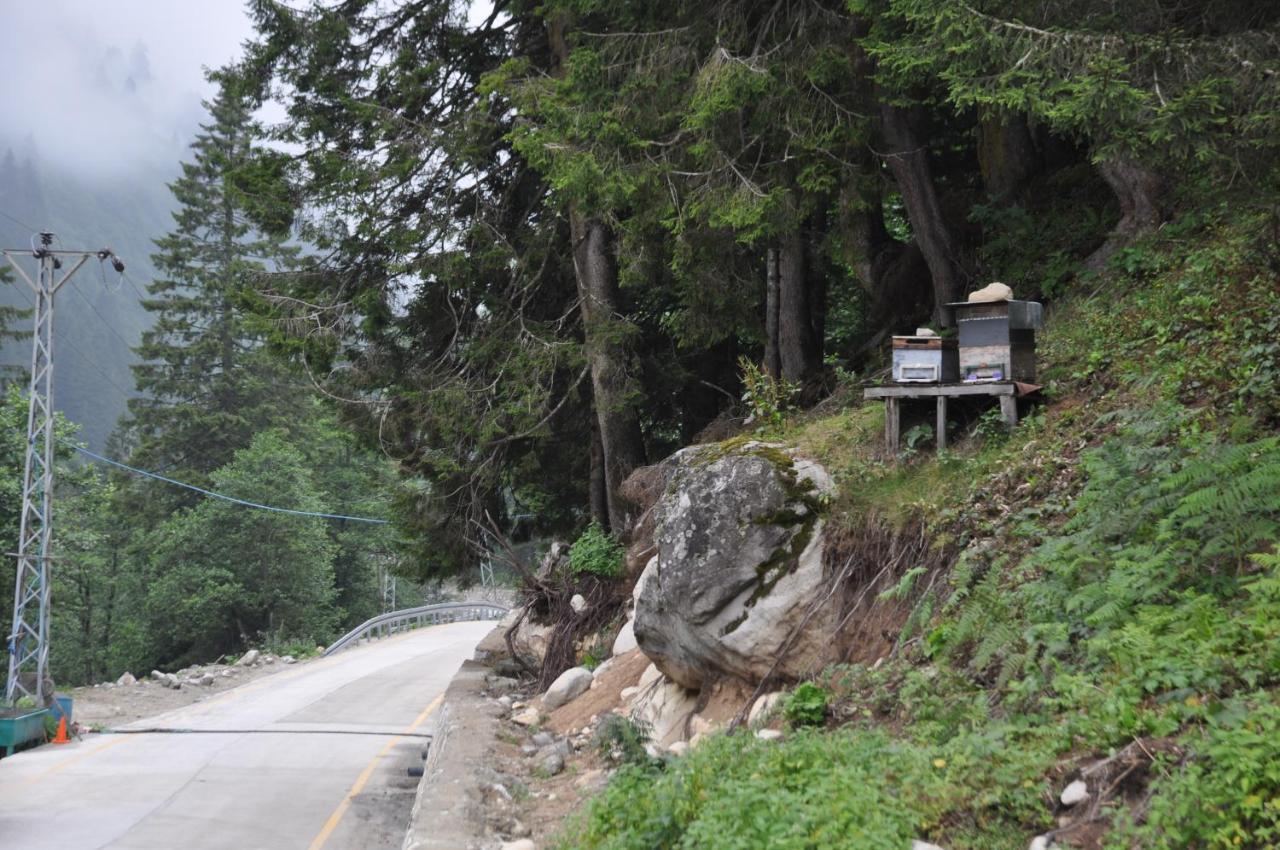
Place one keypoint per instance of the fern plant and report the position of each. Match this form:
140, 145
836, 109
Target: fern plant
1156, 574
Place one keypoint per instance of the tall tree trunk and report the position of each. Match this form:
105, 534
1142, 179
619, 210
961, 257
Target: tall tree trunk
1139, 191
892, 273
798, 352
816, 271
596, 487
621, 442
772, 356
1007, 154
908, 159
612, 388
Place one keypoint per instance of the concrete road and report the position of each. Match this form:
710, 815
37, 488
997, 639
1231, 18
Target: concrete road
315, 757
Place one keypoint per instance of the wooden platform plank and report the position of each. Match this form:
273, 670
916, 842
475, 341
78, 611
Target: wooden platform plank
1001, 388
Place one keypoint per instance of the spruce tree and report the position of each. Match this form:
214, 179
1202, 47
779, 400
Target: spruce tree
207, 384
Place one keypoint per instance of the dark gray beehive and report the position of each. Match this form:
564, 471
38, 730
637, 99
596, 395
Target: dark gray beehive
998, 339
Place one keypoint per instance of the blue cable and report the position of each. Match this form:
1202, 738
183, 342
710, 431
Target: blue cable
214, 495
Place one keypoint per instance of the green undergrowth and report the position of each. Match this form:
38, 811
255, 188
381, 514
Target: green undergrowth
1117, 585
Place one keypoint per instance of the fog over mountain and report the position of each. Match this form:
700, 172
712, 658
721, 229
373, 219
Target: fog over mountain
99, 103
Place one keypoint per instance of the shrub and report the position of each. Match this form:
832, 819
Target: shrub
807, 705
1227, 792
768, 397
621, 739
595, 552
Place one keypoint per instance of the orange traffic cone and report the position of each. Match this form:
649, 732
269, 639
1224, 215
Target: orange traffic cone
61, 737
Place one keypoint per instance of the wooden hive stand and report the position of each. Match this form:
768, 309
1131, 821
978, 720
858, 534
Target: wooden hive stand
893, 394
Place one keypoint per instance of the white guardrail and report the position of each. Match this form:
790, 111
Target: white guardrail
394, 622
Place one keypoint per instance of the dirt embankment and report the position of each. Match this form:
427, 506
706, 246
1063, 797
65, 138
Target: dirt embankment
117, 703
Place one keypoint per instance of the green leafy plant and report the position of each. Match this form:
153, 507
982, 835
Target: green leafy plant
807, 705
595, 552
1227, 791
916, 436
622, 740
769, 398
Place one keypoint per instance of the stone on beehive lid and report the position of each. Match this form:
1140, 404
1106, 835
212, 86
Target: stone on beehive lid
991, 292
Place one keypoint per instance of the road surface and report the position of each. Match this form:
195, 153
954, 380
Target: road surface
316, 759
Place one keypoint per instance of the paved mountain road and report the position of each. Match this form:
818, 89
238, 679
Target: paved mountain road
288, 774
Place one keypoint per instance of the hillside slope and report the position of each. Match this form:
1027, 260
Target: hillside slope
1100, 599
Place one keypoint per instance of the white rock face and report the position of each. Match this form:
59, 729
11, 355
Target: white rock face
739, 564
1076, 792
578, 603
249, 658
665, 706
567, 686
626, 639
769, 734
763, 707
650, 675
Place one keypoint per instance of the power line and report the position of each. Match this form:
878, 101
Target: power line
66, 339
18, 221
136, 291
214, 495
103, 318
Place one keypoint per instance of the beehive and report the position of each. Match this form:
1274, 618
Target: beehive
925, 359
998, 339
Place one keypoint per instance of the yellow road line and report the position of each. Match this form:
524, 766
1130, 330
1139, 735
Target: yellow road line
76, 759
334, 819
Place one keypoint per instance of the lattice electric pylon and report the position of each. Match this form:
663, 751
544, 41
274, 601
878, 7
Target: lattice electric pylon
28, 641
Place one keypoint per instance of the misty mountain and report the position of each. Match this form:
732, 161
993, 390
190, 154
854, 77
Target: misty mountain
98, 316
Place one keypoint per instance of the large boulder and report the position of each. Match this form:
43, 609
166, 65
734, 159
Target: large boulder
568, 686
530, 640
739, 567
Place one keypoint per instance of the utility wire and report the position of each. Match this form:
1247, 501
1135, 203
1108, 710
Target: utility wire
103, 318
69, 340
18, 221
214, 495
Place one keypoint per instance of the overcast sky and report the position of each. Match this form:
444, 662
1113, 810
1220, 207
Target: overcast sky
109, 86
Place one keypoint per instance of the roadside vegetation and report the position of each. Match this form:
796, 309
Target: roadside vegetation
1115, 593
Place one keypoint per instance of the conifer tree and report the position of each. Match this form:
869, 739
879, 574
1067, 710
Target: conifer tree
207, 384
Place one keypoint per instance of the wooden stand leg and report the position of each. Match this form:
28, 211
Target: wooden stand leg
1009, 410
892, 423
941, 430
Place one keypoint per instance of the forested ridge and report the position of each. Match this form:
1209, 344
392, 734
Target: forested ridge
491, 263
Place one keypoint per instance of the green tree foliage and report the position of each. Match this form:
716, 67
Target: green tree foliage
206, 384
223, 576
13, 442
447, 310
1182, 87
